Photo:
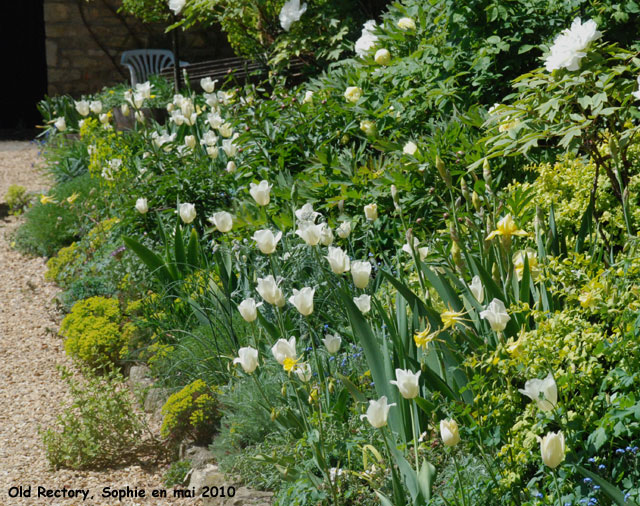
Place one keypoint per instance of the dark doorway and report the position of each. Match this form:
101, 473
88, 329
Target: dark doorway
23, 67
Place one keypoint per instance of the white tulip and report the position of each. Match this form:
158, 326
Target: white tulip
378, 412
230, 148
190, 141
309, 232
332, 343
104, 118
138, 100
215, 120
226, 130
144, 89
124, 109
270, 291
266, 241
96, 107
352, 94
60, 124
496, 315
176, 6
339, 260
552, 449
449, 432
363, 302
249, 309
326, 235
290, 13
208, 85
410, 148
284, 349
477, 289
187, 212
213, 152
303, 300
303, 371
371, 212
407, 383
231, 166
344, 230
222, 220
82, 106
308, 97
260, 192
361, 271
142, 206
209, 138
306, 213
544, 392
247, 358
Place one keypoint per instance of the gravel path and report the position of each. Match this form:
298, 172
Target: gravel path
31, 391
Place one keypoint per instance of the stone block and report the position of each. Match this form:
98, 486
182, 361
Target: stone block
56, 12
51, 49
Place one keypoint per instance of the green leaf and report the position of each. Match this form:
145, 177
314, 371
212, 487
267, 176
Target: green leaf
178, 246
154, 262
353, 390
426, 477
193, 249
613, 492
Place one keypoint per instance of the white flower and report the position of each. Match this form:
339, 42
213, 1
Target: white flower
303, 300
449, 432
266, 241
407, 383
339, 260
231, 166
211, 99
371, 212
213, 152
226, 130
309, 232
352, 94
382, 57
260, 192
360, 271
142, 206
161, 139
187, 212
176, 6
60, 124
144, 89
552, 449
636, 94
104, 118
209, 139
208, 85
422, 252
222, 220
368, 127
569, 47
363, 302
290, 13
230, 148
303, 371
496, 315
215, 120
270, 291
533, 389
378, 412
367, 39
284, 349
477, 289
410, 148
249, 309
190, 141
96, 107
332, 343
138, 100
306, 213
247, 358
326, 235
308, 97
124, 109
82, 106
344, 230
406, 24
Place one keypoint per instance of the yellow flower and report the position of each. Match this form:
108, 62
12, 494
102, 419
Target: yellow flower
518, 263
515, 347
506, 228
587, 299
422, 339
72, 197
450, 318
46, 199
289, 364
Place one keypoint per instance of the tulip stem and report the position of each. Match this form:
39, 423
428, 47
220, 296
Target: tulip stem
262, 391
455, 461
555, 480
415, 434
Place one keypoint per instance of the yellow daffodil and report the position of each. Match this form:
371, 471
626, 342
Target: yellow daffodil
71, 199
46, 199
506, 228
289, 364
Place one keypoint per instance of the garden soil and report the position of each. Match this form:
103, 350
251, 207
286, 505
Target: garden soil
31, 390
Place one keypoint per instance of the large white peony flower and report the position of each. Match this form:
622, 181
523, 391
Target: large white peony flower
569, 47
290, 13
367, 39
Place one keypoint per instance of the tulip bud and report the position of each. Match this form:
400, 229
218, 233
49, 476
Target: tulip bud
486, 172
407, 383
495, 273
341, 206
368, 127
475, 200
382, 57
274, 415
552, 449
449, 432
442, 170
465, 190
142, 206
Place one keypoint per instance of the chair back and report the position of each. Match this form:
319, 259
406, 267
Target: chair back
144, 62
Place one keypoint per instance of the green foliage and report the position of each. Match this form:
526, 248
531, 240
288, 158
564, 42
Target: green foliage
177, 473
193, 412
94, 332
99, 428
17, 198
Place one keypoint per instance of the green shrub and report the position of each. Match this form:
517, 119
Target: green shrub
177, 473
17, 198
100, 428
193, 412
94, 333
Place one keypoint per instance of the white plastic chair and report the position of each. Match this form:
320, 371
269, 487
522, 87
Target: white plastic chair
144, 62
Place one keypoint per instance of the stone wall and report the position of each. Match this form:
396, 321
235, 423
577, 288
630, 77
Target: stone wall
84, 42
